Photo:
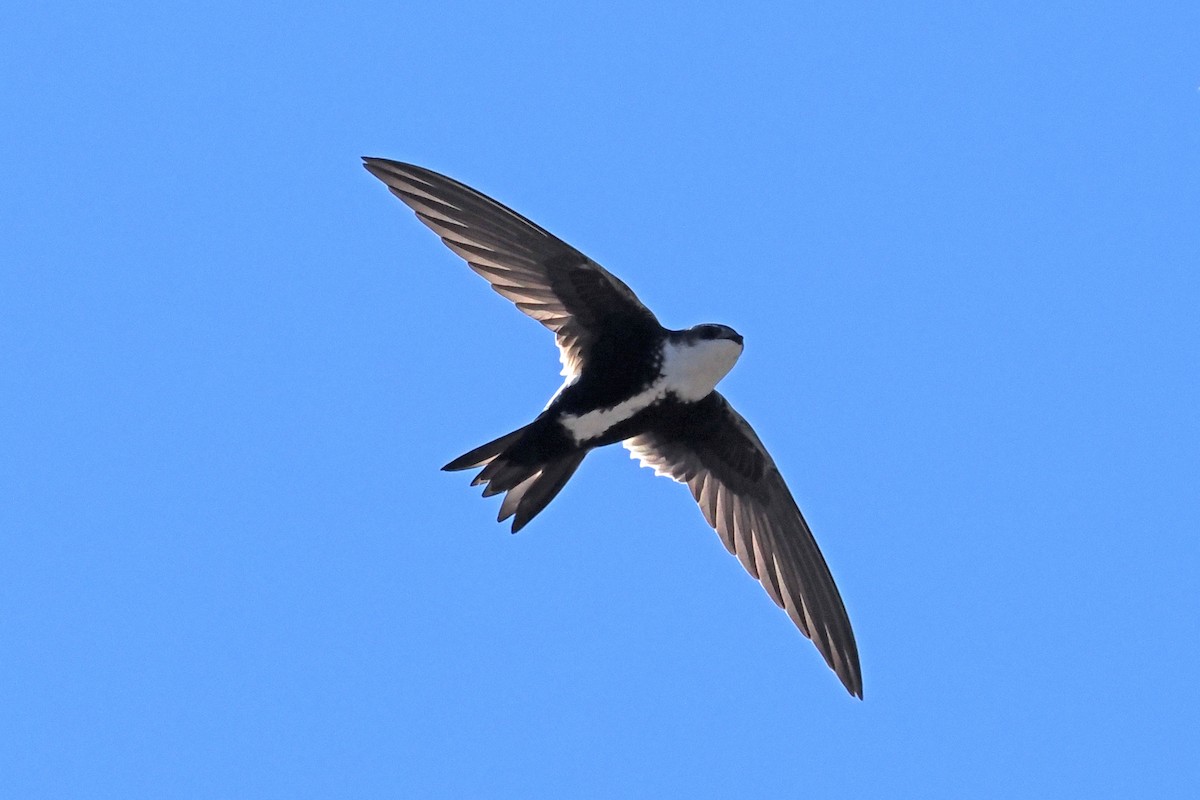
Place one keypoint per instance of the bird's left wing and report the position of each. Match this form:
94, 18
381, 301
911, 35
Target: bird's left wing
545, 277
712, 449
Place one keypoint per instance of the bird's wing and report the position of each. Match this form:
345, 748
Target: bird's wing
548, 279
712, 449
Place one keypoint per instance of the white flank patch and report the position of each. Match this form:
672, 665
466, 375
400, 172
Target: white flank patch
594, 424
691, 371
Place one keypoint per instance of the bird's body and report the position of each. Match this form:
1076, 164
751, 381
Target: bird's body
628, 379
608, 403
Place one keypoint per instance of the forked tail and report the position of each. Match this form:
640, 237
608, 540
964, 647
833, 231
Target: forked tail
511, 465
486, 452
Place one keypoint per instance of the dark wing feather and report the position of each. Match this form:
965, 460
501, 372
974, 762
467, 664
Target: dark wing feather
545, 277
712, 449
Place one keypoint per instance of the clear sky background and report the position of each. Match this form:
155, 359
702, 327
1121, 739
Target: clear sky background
962, 242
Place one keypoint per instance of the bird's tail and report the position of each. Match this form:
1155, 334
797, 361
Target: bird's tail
530, 483
485, 453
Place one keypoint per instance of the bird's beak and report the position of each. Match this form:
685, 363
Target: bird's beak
737, 337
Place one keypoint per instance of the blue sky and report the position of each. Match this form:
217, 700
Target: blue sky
962, 243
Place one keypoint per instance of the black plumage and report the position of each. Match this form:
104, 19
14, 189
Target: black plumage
612, 348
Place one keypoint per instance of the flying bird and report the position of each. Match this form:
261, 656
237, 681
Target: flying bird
630, 380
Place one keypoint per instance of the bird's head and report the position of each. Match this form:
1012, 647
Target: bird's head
712, 330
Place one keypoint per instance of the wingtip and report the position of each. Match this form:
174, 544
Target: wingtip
382, 166
853, 684
375, 166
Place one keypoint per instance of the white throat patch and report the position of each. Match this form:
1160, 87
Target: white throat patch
691, 371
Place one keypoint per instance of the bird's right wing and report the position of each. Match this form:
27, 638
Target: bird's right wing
712, 449
549, 280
